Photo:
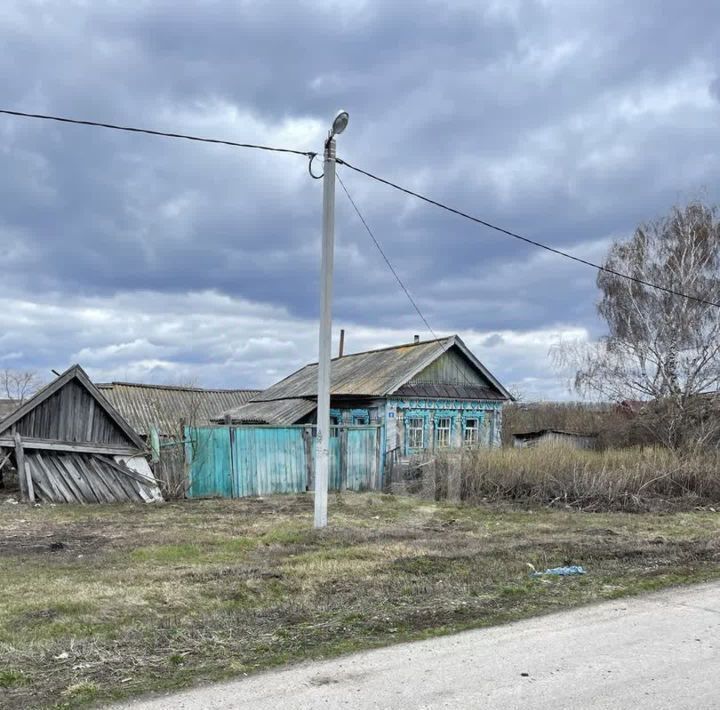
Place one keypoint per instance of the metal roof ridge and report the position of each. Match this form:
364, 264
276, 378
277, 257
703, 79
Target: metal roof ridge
380, 350
177, 388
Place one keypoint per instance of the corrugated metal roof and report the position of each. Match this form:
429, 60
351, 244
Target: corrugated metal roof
281, 412
7, 406
165, 406
374, 373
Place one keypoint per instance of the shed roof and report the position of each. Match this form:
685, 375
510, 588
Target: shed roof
278, 412
164, 406
541, 432
376, 373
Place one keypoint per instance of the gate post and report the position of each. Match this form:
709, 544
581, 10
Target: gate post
231, 472
343, 456
309, 458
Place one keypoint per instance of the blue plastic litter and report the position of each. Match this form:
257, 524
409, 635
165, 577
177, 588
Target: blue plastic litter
560, 571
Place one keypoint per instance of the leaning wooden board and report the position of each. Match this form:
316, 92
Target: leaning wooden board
65, 477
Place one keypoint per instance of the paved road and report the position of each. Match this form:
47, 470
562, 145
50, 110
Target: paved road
658, 651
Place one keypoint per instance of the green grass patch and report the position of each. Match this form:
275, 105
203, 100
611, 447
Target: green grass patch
10, 678
143, 598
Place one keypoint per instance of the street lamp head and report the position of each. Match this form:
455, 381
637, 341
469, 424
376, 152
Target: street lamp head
340, 123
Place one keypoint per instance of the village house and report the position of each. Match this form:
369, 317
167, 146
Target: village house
387, 405
426, 396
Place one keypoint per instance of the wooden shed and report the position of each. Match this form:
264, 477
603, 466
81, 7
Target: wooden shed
69, 445
554, 437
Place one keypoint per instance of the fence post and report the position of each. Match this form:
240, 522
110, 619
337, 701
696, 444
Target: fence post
234, 492
187, 460
379, 463
343, 456
309, 458
454, 471
24, 476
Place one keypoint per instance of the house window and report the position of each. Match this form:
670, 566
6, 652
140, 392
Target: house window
415, 427
360, 419
443, 426
472, 431
335, 421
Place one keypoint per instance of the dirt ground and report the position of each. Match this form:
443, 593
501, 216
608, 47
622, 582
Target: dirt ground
103, 602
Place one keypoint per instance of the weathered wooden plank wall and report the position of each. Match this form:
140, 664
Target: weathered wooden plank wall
451, 367
70, 415
362, 462
209, 462
64, 477
268, 460
248, 461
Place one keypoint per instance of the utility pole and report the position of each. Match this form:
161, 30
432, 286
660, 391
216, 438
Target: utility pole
322, 448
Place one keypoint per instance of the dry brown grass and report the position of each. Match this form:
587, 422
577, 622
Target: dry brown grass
631, 479
104, 602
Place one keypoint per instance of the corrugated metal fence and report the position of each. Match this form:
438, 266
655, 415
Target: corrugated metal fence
233, 462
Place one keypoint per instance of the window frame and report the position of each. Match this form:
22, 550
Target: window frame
474, 429
409, 430
448, 430
336, 422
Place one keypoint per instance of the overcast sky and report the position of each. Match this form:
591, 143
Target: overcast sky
159, 260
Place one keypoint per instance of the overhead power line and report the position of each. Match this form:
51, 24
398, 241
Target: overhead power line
439, 340
389, 183
150, 132
527, 240
384, 256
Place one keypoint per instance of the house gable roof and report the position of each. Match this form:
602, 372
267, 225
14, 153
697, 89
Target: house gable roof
77, 374
456, 341
378, 373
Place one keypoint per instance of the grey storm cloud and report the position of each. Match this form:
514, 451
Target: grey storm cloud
715, 87
567, 122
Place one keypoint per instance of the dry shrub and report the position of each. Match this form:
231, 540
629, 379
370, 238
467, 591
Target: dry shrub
615, 479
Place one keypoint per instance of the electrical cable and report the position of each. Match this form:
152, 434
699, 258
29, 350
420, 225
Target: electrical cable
437, 339
150, 132
540, 245
312, 155
310, 170
384, 256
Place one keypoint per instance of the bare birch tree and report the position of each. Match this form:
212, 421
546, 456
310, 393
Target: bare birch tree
18, 384
661, 347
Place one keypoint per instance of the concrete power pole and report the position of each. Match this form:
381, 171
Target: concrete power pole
322, 449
